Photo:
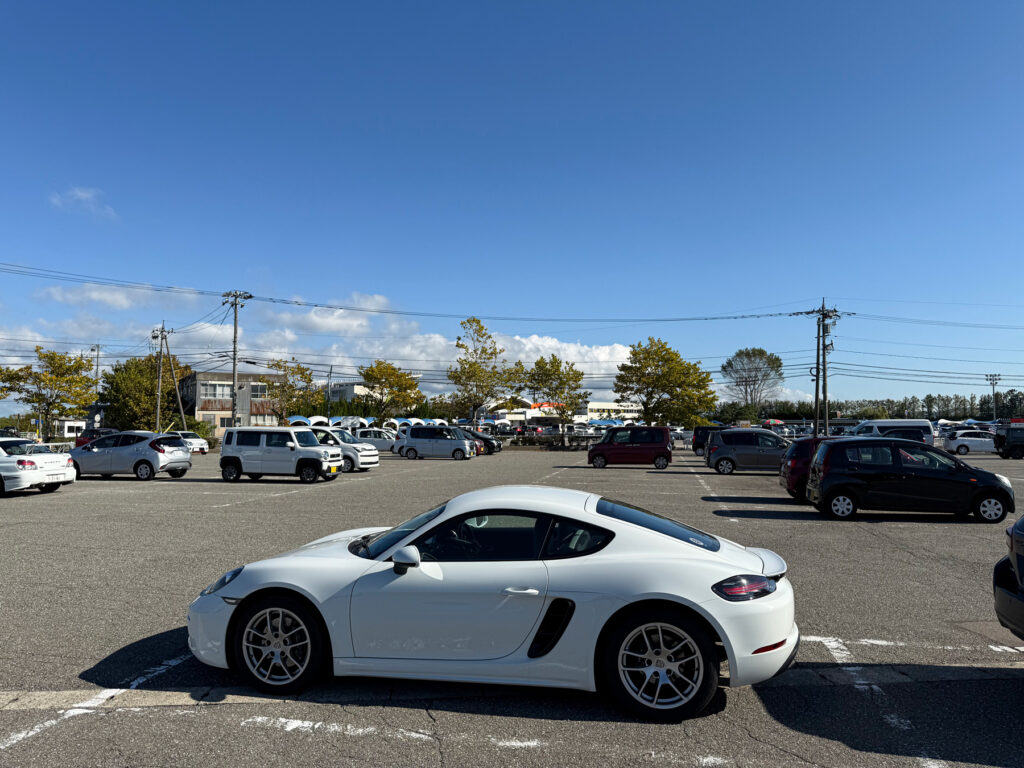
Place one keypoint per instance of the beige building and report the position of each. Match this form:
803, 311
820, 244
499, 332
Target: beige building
206, 396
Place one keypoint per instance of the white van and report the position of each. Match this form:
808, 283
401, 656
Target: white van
878, 427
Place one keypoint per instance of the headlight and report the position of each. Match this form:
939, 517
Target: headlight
223, 581
325, 455
1004, 480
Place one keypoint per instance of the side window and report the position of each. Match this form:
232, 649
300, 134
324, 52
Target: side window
922, 458
326, 438
126, 440
641, 436
248, 439
277, 439
485, 537
869, 455
229, 438
865, 430
569, 538
621, 437
106, 442
767, 441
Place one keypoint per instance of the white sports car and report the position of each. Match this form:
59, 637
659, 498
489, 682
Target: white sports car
519, 585
25, 464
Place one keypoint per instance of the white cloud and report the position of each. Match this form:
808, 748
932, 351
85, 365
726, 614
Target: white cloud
87, 199
90, 293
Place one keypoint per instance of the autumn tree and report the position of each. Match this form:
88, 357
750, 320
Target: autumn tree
663, 384
560, 383
292, 393
57, 386
480, 373
753, 375
392, 391
129, 389
10, 379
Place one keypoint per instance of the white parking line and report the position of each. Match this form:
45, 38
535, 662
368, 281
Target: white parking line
707, 489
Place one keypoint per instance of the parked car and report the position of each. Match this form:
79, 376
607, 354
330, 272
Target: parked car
355, 454
970, 441
380, 439
26, 464
907, 433
490, 443
1008, 582
195, 443
744, 448
140, 453
485, 588
796, 465
1009, 440
878, 427
632, 445
900, 475
88, 435
700, 437
258, 451
437, 442
478, 444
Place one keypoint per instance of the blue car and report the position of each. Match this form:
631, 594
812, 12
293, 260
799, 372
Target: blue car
1008, 582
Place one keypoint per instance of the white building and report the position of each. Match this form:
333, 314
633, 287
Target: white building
598, 409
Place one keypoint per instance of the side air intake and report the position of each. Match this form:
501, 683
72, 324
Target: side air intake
552, 627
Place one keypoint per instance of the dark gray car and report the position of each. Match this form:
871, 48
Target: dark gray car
757, 450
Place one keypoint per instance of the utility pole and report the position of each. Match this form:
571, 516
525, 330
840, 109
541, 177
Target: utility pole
174, 373
993, 379
330, 372
826, 319
234, 297
159, 370
96, 348
816, 372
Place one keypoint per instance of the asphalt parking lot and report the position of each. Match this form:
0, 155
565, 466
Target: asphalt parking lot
902, 661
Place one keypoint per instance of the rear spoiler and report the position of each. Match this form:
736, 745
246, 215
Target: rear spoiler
48, 448
774, 566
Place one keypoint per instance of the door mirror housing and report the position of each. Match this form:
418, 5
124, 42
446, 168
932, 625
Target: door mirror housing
290, 444
406, 558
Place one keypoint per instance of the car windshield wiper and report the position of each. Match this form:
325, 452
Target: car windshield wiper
360, 545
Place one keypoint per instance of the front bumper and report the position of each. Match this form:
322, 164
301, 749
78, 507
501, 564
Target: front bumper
1009, 601
208, 618
367, 460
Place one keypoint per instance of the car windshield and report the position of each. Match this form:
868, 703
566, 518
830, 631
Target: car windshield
372, 545
306, 438
630, 514
344, 436
190, 435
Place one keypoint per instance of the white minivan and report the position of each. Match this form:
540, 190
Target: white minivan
878, 428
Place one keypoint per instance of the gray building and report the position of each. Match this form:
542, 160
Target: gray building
206, 396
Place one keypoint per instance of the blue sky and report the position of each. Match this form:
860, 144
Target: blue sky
556, 159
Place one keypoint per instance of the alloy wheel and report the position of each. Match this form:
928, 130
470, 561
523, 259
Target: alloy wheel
276, 646
660, 666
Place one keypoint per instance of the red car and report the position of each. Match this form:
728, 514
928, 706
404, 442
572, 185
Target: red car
633, 445
88, 435
796, 465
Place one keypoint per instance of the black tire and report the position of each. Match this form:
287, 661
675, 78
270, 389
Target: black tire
725, 466
78, 471
347, 465
254, 475
3, 490
990, 507
801, 494
144, 471
458, 454
311, 653
963, 450
232, 473
599, 462
1017, 453
628, 689
792, 494
308, 474
49, 487
699, 451
410, 453
661, 462
839, 505
177, 472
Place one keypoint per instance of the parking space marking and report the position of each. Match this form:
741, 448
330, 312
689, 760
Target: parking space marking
707, 489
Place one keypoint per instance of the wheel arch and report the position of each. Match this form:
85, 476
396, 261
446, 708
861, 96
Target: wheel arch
307, 462
691, 610
292, 592
226, 460
1003, 496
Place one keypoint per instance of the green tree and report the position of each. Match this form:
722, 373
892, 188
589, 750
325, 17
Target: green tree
663, 384
129, 389
753, 375
57, 386
392, 390
560, 383
480, 373
10, 380
294, 393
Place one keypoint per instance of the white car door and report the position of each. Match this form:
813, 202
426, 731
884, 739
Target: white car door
477, 594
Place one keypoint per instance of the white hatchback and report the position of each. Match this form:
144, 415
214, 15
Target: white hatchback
25, 464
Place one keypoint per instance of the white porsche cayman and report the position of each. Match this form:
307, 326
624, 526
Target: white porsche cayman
521, 585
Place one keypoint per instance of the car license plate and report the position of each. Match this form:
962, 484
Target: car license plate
333, 470
57, 478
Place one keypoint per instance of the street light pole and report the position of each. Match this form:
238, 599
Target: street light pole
993, 379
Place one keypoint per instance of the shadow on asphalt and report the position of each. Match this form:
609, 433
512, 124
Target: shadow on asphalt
210, 685
939, 713
782, 501
810, 514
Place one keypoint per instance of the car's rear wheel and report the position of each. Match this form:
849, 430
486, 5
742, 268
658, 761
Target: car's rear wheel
308, 473
661, 462
699, 451
725, 466
599, 462
254, 475
840, 505
278, 645
144, 470
800, 494
78, 471
231, 472
990, 508
49, 487
458, 455
962, 449
410, 453
347, 465
659, 664
1017, 453
177, 472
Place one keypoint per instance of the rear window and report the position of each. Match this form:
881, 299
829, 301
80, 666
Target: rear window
228, 438
630, 514
819, 455
170, 442
801, 449
878, 455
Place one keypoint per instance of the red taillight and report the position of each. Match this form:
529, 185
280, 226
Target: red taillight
71, 462
772, 647
156, 446
712, 449
745, 587
26, 464
792, 463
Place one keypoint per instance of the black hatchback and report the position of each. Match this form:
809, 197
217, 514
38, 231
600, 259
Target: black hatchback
901, 475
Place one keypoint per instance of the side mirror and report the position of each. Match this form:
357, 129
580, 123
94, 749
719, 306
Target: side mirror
406, 558
290, 444
94, 449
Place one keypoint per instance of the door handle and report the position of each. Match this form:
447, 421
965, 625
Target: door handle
521, 591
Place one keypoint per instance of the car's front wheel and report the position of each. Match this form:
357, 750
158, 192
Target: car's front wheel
659, 664
347, 465
308, 473
990, 508
599, 462
699, 451
962, 450
278, 645
458, 455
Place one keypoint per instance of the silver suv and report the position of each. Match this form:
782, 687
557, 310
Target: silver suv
730, 450
440, 442
259, 451
355, 454
143, 454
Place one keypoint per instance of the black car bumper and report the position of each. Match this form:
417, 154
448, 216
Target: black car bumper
1008, 597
